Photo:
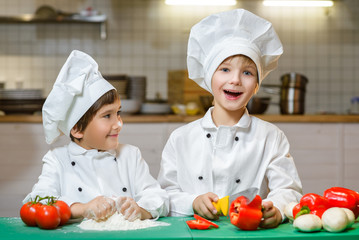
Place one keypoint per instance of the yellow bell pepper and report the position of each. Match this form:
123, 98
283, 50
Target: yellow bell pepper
222, 205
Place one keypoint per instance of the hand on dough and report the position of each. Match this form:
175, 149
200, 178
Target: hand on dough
128, 208
99, 208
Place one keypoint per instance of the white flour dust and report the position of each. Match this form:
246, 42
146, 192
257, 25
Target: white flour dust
118, 222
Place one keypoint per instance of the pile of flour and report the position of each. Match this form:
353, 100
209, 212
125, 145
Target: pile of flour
118, 222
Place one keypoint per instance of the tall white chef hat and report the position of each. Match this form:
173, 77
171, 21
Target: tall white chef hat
78, 86
229, 33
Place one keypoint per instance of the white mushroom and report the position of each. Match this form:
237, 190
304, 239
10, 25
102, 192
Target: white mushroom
351, 217
308, 223
335, 219
288, 210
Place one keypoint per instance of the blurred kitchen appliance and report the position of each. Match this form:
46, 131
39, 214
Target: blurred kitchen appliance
182, 90
132, 91
354, 106
206, 101
21, 101
137, 88
258, 105
120, 82
292, 93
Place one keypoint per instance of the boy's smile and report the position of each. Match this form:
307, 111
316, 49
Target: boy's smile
232, 94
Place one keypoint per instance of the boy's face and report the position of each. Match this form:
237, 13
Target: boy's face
102, 131
234, 82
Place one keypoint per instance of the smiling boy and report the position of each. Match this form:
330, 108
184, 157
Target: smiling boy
228, 151
94, 174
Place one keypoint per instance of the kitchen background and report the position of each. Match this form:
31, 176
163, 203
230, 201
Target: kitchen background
148, 38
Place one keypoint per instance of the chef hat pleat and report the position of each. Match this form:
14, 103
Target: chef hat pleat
78, 86
230, 33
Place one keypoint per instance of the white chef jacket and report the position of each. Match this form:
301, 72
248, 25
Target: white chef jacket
201, 157
75, 174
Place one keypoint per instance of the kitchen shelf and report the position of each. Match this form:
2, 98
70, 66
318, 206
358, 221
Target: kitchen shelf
72, 19
17, 118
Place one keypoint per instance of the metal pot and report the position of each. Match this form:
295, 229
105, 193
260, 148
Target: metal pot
258, 105
292, 93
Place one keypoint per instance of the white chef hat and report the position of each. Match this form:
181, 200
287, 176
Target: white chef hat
78, 86
229, 33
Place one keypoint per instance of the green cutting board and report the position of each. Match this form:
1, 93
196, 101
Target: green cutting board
284, 231
14, 228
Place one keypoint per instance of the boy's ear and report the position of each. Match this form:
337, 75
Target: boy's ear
76, 133
256, 89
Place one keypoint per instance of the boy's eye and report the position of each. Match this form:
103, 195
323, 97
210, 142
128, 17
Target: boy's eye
247, 73
225, 69
118, 112
107, 116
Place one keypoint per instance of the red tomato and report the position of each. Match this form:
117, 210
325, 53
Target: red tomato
28, 213
64, 210
48, 217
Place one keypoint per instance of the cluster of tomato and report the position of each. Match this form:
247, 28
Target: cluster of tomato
47, 215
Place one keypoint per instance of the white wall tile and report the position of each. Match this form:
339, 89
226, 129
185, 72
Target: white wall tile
322, 46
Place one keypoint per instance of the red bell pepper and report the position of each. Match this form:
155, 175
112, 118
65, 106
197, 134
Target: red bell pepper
244, 214
296, 210
343, 197
311, 203
200, 223
195, 224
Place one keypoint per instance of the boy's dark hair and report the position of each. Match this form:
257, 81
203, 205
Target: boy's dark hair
108, 98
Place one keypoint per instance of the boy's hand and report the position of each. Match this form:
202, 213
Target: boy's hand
99, 208
129, 208
204, 207
271, 216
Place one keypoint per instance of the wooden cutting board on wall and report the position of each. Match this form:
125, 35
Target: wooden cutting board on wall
181, 89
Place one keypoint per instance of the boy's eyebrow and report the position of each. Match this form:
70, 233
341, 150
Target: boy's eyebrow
251, 66
106, 111
225, 63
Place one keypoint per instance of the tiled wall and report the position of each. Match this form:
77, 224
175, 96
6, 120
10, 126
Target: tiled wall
146, 37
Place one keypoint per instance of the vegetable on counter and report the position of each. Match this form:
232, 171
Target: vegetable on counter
343, 197
46, 216
246, 215
307, 223
288, 210
200, 223
336, 219
337, 210
28, 212
311, 203
222, 206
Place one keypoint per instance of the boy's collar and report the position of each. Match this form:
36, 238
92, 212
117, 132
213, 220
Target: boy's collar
76, 149
207, 121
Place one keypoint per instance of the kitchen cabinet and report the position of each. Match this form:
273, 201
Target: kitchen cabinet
326, 154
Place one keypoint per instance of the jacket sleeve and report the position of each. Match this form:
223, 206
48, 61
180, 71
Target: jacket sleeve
180, 201
283, 179
149, 194
48, 181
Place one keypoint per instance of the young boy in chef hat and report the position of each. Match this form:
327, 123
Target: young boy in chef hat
228, 151
94, 174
